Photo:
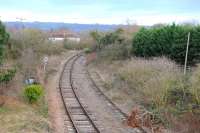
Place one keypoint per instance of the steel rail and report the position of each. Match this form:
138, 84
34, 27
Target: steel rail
62, 96
108, 99
71, 61
73, 89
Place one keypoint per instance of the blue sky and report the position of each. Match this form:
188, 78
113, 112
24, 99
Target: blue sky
144, 12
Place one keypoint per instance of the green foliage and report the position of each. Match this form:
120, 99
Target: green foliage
87, 50
4, 36
7, 76
168, 41
105, 39
33, 93
97, 37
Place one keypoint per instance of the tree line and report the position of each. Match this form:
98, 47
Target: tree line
169, 41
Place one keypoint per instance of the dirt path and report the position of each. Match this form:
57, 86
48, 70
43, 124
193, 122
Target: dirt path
109, 121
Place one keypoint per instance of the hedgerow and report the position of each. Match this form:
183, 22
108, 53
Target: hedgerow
170, 41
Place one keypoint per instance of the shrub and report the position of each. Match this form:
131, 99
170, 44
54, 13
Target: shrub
71, 45
168, 41
33, 93
180, 98
50, 48
115, 52
108, 38
7, 75
87, 50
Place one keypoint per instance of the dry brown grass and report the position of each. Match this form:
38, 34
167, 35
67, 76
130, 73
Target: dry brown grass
158, 85
152, 78
195, 84
17, 117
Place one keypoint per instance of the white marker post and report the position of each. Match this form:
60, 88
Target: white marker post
186, 55
45, 61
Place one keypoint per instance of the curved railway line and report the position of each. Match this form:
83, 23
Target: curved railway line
112, 105
79, 118
117, 111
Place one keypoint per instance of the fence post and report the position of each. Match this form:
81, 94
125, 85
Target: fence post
186, 55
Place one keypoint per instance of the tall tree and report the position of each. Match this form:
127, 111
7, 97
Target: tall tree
4, 36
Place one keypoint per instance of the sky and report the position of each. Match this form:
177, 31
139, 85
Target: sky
142, 12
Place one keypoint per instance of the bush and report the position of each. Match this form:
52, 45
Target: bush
87, 50
7, 75
33, 93
115, 52
71, 45
108, 38
168, 41
180, 98
50, 48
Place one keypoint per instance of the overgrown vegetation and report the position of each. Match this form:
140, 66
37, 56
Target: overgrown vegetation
25, 50
161, 83
169, 41
112, 45
34, 40
155, 79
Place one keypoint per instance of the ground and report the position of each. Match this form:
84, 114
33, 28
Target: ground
18, 117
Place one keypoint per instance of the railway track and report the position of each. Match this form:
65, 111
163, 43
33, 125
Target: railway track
116, 110
79, 118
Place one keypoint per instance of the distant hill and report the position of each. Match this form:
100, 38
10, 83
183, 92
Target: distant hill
51, 25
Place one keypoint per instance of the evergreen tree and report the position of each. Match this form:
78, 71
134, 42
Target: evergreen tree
3, 40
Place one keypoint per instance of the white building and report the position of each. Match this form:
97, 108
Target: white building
61, 35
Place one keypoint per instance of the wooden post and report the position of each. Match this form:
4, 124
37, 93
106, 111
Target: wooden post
186, 55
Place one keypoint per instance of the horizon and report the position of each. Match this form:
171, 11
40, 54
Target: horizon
58, 22
108, 12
